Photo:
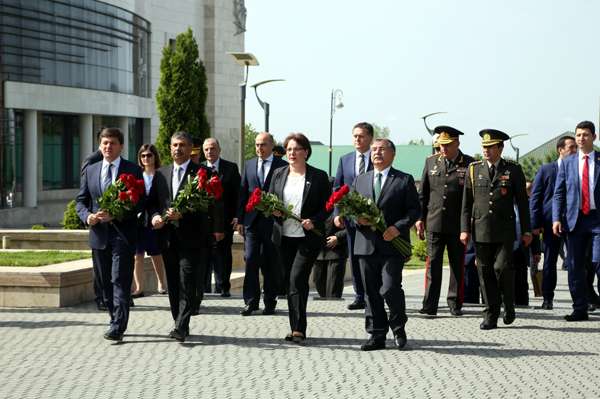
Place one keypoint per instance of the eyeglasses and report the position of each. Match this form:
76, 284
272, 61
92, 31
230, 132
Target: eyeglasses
149, 155
295, 149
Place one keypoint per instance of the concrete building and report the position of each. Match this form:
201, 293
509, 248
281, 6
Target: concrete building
68, 67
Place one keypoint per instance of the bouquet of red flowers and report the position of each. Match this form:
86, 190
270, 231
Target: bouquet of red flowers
198, 193
122, 196
267, 203
354, 206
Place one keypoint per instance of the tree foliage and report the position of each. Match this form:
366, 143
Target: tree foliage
381, 132
71, 219
181, 95
250, 134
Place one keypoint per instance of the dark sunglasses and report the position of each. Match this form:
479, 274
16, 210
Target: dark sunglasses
150, 155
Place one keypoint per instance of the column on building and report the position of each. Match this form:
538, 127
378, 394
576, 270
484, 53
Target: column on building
124, 126
86, 136
30, 154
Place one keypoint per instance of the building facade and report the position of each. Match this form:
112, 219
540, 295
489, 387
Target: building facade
69, 67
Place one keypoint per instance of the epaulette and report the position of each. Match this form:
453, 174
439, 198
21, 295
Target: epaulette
476, 162
510, 161
432, 155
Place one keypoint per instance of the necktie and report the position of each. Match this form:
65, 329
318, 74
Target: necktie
585, 186
261, 172
361, 164
377, 187
492, 172
178, 173
107, 178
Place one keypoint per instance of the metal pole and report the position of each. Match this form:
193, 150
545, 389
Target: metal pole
243, 120
267, 108
331, 132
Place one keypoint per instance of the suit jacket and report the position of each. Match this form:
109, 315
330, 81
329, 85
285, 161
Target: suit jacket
316, 193
568, 189
194, 230
249, 183
346, 172
230, 178
87, 202
488, 204
399, 203
542, 193
340, 251
441, 193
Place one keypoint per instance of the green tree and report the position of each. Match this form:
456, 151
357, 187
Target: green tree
71, 219
416, 142
181, 95
381, 132
250, 134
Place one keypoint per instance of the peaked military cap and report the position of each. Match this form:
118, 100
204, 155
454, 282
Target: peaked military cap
447, 134
436, 144
492, 136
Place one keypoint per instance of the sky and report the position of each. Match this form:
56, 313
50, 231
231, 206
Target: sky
524, 67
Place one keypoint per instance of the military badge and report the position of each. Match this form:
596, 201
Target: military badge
503, 190
487, 137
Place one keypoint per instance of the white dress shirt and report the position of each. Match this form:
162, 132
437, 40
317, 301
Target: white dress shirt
115, 169
175, 178
357, 161
591, 164
214, 166
292, 195
268, 164
384, 174
148, 182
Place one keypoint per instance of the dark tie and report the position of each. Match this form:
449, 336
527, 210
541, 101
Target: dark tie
179, 170
361, 164
585, 186
261, 173
492, 172
377, 186
108, 178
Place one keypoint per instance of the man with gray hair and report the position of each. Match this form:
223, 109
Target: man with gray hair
186, 241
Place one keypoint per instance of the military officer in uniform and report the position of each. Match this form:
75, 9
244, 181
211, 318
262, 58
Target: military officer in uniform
441, 203
492, 188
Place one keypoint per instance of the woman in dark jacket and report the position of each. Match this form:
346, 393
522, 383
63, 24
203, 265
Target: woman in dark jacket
306, 189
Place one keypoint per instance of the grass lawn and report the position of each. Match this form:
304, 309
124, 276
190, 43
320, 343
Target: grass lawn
416, 263
39, 258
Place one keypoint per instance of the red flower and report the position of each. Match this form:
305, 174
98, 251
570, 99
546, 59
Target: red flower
215, 187
254, 200
336, 197
123, 196
140, 186
202, 178
135, 196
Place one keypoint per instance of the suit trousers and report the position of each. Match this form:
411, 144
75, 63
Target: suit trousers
551, 249
382, 279
357, 283
472, 293
584, 234
520, 261
260, 253
115, 270
222, 261
298, 258
436, 243
496, 276
183, 266
97, 280
328, 276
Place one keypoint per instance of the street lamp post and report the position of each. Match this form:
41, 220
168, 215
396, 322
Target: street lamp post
246, 60
430, 130
516, 149
263, 104
336, 103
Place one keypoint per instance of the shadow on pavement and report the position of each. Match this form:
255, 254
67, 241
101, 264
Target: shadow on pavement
47, 324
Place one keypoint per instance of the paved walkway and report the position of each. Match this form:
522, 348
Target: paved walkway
60, 353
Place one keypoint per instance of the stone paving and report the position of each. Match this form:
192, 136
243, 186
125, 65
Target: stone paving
60, 353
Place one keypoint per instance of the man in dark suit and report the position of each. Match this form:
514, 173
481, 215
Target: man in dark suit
577, 197
257, 229
381, 265
185, 242
540, 206
350, 166
441, 204
221, 258
113, 242
492, 189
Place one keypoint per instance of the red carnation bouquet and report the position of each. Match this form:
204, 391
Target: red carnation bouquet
122, 196
267, 203
198, 194
354, 206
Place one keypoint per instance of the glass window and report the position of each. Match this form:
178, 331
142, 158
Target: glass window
11, 159
60, 165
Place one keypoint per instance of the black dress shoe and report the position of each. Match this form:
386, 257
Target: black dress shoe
269, 310
195, 312
225, 294
456, 312
547, 305
488, 325
177, 335
101, 307
509, 316
372, 345
112, 335
577, 316
138, 295
592, 307
400, 338
299, 339
356, 305
289, 337
248, 309
427, 312
131, 304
